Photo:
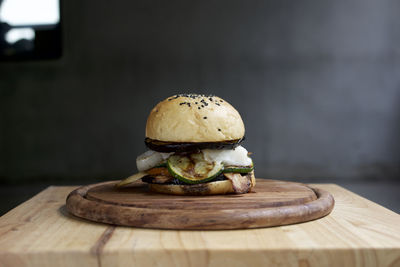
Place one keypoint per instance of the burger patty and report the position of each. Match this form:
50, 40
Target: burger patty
174, 181
177, 147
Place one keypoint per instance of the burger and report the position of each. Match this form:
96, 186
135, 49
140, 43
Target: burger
194, 144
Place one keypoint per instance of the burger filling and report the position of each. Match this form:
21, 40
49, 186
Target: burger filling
202, 166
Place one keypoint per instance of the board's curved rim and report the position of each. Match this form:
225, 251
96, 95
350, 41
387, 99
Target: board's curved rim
82, 207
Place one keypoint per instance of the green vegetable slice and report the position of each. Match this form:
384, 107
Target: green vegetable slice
238, 169
163, 164
193, 168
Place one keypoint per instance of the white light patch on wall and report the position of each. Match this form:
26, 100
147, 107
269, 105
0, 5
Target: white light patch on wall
14, 35
30, 12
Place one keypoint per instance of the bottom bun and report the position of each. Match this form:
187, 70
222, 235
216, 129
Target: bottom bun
211, 188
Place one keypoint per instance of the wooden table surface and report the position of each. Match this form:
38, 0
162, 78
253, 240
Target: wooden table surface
358, 232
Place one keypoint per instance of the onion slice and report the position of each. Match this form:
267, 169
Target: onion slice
150, 159
240, 184
131, 179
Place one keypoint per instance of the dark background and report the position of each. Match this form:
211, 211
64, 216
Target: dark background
316, 82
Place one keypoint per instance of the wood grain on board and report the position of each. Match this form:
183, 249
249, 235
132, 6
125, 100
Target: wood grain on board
357, 232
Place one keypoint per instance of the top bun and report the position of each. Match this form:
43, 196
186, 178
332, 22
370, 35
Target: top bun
194, 118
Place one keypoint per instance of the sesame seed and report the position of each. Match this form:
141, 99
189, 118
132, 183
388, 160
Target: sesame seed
205, 118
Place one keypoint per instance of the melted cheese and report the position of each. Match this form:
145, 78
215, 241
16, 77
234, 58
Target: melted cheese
228, 157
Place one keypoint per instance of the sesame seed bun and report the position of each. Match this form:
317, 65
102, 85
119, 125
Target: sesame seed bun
194, 118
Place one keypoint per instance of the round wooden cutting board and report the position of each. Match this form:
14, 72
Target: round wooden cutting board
271, 203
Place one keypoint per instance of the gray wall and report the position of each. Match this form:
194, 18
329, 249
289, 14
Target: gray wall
317, 84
